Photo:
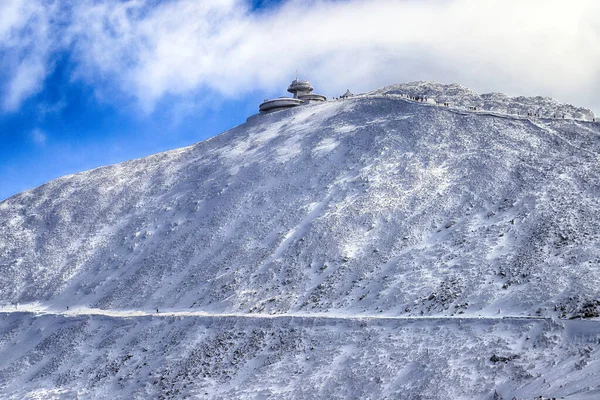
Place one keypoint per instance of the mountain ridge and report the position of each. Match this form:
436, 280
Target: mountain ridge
462, 97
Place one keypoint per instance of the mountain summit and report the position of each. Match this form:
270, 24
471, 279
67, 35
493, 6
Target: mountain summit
418, 241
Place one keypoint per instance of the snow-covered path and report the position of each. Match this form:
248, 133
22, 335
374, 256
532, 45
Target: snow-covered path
38, 309
235, 355
464, 110
459, 98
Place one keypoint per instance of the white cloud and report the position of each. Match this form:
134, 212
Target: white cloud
150, 50
25, 48
26, 80
39, 137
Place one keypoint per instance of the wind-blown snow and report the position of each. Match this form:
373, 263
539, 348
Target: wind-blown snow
375, 205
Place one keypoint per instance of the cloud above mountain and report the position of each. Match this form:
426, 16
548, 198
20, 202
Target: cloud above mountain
150, 50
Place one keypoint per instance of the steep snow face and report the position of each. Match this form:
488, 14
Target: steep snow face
462, 97
369, 205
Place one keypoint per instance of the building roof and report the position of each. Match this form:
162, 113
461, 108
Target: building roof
300, 85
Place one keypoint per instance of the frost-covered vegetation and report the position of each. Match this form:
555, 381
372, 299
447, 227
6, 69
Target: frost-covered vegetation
372, 206
291, 357
458, 96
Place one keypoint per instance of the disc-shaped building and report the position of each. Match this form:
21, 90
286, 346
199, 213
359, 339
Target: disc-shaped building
302, 91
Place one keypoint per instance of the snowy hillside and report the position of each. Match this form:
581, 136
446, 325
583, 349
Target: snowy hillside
376, 206
285, 357
461, 97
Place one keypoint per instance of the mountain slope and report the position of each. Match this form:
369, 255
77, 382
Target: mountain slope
372, 206
411, 208
164, 357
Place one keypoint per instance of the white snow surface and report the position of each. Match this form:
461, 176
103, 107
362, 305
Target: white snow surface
461, 97
373, 247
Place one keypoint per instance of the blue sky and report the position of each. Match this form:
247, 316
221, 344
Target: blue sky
95, 82
65, 129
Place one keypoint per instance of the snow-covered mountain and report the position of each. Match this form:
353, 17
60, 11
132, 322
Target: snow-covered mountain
451, 225
461, 97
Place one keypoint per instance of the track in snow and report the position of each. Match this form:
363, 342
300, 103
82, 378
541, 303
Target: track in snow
80, 311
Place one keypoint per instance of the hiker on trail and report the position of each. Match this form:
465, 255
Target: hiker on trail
67, 308
157, 310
